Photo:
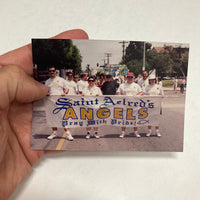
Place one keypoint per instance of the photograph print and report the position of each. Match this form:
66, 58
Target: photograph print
106, 95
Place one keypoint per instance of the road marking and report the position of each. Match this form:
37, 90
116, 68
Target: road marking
59, 146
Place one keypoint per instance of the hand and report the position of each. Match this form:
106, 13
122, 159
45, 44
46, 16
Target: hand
66, 91
18, 91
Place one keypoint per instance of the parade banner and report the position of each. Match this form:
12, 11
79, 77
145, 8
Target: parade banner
92, 111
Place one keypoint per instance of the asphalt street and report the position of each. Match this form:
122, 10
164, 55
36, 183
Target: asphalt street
171, 128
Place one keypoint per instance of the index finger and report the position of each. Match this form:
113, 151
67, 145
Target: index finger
23, 55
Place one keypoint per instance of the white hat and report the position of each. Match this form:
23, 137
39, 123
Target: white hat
152, 77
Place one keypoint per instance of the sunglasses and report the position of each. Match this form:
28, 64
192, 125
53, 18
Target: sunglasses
129, 76
90, 80
52, 70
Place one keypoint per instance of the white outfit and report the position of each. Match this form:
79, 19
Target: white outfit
143, 83
129, 89
175, 82
153, 90
93, 91
72, 86
160, 83
56, 85
81, 85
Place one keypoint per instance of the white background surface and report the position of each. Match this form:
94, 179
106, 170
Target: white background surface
113, 175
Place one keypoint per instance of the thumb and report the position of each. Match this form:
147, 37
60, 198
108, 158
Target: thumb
18, 86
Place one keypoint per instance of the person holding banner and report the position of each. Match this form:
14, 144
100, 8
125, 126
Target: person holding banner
110, 86
57, 86
92, 90
130, 88
153, 89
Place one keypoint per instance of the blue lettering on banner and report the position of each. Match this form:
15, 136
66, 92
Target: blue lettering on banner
107, 101
75, 123
91, 111
64, 103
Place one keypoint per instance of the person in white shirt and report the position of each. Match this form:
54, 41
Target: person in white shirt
82, 83
175, 83
138, 78
143, 82
72, 86
57, 86
76, 79
92, 90
153, 89
160, 81
130, 88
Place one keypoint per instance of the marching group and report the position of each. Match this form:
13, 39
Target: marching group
106, 85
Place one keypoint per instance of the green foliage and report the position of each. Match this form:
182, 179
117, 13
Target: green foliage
134, 51
158, 61
179, 59
134, 56
59, 53
167, 83
135, 66
170, 59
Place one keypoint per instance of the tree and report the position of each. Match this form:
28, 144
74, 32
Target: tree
59, 53
159, 61
179, 59
134, 51
134, 56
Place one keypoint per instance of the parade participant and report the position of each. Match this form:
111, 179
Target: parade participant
92, 90
138, 78
101, 80
110, 86
130, 88
57, 86
175, 83
153, 89
160, 81
143, 82
82, 83
71, 85
76, 79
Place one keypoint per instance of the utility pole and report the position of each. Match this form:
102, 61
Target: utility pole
143, 66
123, 49
108, 55
104, 61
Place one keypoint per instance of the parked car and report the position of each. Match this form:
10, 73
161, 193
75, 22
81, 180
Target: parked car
167, 78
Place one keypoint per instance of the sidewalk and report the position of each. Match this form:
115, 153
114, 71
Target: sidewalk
172, 89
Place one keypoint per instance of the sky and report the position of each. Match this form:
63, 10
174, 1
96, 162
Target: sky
93, 51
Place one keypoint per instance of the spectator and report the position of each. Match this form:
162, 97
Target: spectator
182, 85
175, 83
